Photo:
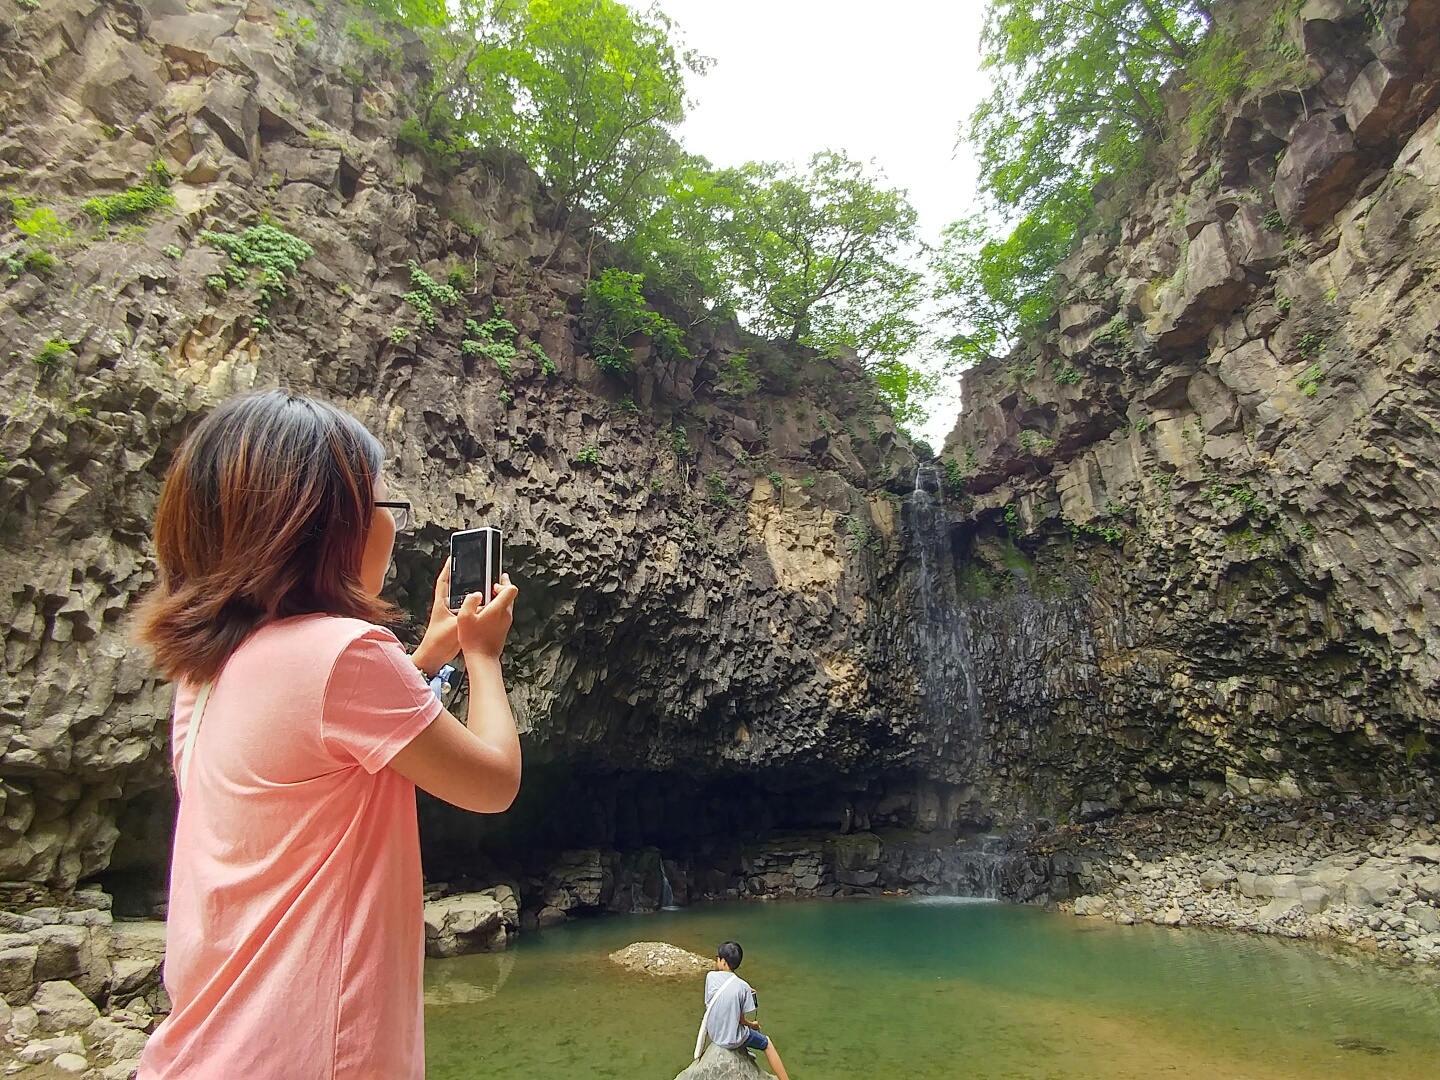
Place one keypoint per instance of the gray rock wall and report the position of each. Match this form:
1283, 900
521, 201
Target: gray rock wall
680, 607
1205, 500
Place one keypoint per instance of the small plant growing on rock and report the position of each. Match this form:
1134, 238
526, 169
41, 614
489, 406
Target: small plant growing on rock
460, 277
40, 223
1310, 380
1274, 222
1069, 377
218, 283
427, 294
172, 250
1012, 521
718, 490
1283, 305
1115, 332
52, 352
507, 397
29, 5
41, 263
490, 339
133, 203
1309, 344
627, 405
399, 335
809, 482
268, 249
547, 366
776, 481
590, 455
736, 379
680, 443
954, 475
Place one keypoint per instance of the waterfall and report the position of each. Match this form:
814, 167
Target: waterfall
667, 894
942, 630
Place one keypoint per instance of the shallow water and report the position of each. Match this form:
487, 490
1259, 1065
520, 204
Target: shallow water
929, 988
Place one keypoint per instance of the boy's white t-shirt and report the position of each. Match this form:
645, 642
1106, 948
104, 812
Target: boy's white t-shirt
736, 999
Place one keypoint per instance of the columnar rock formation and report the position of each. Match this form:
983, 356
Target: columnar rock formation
1212, 479
1193, 550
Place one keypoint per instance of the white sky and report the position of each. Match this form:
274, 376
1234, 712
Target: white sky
891, 83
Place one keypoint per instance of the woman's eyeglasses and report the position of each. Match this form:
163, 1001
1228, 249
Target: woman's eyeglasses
400, 511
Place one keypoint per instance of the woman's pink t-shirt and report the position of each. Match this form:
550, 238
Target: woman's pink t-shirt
296, 941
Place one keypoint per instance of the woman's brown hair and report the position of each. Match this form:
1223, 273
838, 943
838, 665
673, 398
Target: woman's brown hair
265, 514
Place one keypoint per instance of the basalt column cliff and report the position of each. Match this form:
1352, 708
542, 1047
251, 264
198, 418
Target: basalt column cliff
1180, 544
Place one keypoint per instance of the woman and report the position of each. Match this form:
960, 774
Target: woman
296, 937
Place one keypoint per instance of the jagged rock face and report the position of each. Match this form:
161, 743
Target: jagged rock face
678, 606
1220, 464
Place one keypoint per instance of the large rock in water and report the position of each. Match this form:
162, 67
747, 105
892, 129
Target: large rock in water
470, 922
717, 1063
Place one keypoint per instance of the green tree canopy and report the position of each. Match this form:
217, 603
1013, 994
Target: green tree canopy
1076, 99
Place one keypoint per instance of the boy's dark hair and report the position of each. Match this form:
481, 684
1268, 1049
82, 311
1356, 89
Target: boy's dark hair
731, 953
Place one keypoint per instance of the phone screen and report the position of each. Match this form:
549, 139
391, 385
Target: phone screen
474, 564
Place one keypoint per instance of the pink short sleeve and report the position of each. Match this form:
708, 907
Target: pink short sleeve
376, 701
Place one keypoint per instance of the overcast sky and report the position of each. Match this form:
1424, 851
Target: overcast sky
884, 81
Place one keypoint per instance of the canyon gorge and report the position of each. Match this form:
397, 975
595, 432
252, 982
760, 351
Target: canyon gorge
1168, 591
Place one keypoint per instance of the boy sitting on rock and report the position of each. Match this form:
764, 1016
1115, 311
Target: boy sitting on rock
730, 1010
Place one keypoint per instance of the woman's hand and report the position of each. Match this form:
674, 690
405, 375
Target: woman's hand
482, 627
441, 642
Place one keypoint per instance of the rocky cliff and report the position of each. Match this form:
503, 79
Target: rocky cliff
1179, 548
698, 558
1196, 518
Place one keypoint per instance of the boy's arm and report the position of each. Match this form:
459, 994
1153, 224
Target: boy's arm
750, 1022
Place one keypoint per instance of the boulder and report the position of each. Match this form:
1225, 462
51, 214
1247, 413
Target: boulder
717, 1063
659, 958
1090, 905
1318, 172
1371, 885
60, 1006
466, 923
1376, 99
17, 972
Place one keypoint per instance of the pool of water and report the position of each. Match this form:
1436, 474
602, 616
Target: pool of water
919, 988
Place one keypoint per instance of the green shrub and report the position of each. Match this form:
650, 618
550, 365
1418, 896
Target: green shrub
1283, 305
1274, 222
39, 223
1069, 377
955, 477
1310, 380
136, 202
627, 405
547, 366
399, 334
776, 481
1309, 345
52, 352
428, 293
172, 250
460, 277
41, 263
588, 456
489, 339
268, 249
217, 282
615, 311
736, 379
719, 493
680, 443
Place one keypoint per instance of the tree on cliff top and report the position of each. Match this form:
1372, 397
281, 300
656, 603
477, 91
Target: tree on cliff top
1076, 99
822, 257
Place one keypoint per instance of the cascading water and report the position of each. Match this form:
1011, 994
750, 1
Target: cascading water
667, 894
941, 631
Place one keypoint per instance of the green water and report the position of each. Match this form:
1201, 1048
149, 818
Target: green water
913, 988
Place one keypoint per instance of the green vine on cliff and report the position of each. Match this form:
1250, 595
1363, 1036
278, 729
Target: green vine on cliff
266, 249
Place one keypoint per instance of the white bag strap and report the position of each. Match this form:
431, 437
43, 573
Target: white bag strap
700, 1038
196, 715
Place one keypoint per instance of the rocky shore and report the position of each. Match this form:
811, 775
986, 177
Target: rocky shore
1361, 874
